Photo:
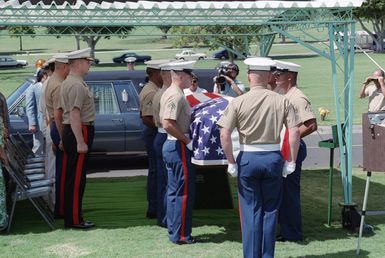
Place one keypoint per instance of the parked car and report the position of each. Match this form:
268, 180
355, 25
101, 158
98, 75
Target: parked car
118, 125
139, 58
223, 54
190, 55
8, 61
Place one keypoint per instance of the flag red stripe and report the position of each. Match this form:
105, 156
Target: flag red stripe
285, 149
192, 100
212, 95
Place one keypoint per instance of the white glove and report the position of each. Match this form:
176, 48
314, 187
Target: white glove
189, 146
288, 168
232, 169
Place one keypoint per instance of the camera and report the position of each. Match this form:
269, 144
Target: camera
220, 79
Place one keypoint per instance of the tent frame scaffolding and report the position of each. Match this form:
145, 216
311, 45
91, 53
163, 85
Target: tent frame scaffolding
269, 18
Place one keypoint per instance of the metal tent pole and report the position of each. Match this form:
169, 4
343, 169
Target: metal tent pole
333, 61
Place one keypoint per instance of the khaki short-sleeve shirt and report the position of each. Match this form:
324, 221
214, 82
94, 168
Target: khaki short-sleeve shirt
52, 94
301, 104
259, 116
174, 106
146, 97
156, 107
74, 93
376, 98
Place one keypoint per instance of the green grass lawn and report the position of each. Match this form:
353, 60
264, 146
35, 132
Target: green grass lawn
118, 207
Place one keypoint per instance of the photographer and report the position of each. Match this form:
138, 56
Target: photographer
374, 88
225, 82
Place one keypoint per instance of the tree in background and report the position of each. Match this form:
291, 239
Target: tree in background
373, 12
18, 31
91, 35
235, 38
165, 30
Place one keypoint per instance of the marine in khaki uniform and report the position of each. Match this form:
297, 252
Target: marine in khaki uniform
175, 116
160, 138
290, 220
77, 103
52, 93
259, 116
374, 88
149, 130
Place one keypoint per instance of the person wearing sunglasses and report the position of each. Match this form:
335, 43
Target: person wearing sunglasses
194, 88
290, 210
78, 114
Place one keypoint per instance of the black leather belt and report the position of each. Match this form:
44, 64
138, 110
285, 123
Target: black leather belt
89, 123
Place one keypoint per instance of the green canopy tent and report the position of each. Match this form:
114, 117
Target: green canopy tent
283, 17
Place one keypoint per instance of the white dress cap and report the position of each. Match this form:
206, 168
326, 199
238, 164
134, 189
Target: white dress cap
260, 63
49, 61
61, 58
166, 66
156, 64
130, 59
182, 66
84, 53
287, 66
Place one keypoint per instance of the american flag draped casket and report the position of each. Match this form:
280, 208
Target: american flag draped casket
205, 134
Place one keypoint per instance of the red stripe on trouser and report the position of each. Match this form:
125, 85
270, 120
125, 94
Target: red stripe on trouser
240, 212
212, 95
62, 183
78, 175
184, 202
192, 100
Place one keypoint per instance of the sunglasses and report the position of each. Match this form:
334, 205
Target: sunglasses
194, 81
278, 74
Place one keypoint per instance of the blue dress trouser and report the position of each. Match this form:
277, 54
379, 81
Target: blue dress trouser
290, 211
260, 192
180, 190
148, 135
59, 198
161, 179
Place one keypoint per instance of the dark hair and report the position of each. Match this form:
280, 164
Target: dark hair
50, 67
40, 74
234, 67
194, 76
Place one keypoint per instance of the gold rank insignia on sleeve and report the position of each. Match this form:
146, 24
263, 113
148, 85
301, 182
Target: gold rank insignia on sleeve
171, 106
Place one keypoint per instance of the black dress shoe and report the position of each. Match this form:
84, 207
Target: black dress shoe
151, 215
186, 242
57, 216
282, 239
162, 225
83, 225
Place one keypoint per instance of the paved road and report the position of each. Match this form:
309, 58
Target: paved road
316, 158
319, 157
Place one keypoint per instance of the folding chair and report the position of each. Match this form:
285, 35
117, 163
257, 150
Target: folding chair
28, 186
23, 150
33, 170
